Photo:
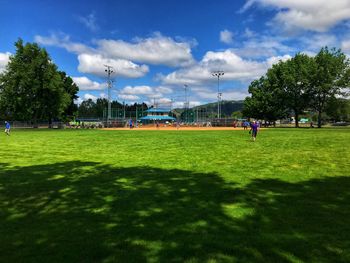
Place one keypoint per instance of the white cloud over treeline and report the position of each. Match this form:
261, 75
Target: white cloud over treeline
4, 59
314, 15
125, 57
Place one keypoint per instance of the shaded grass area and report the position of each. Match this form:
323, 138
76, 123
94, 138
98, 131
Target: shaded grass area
124, 197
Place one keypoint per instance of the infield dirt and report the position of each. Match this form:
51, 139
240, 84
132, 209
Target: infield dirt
148, 128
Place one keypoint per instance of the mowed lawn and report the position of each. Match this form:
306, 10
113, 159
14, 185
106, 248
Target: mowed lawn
175, 196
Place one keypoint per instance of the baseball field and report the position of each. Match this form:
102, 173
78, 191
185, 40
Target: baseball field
175, 196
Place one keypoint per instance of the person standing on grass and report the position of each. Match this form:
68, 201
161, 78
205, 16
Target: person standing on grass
7, 128
254, 130
245, 125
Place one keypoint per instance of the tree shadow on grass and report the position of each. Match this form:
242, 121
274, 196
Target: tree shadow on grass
89, 212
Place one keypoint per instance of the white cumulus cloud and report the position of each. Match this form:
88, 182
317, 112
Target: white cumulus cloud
85, 83
226, 36
345, 46
94, 64
262, 46
4, 59
314, 15
89, 21
317, 41
91, 60
140, 90
234, 66
157, 50
63, 41
274, 60
232, 94
163, 90
88, 96
123, 56
145, 91
129, 97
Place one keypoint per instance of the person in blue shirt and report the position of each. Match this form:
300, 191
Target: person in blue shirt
7, 128
254, 130
246, 125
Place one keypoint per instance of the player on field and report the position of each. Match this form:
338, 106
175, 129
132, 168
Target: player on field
7, 128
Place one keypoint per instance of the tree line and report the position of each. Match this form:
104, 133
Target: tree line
97, 109
33, 89
303, 83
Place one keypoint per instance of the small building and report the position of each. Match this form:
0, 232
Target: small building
157, 114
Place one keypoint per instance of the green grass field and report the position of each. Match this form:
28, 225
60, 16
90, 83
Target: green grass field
175, 196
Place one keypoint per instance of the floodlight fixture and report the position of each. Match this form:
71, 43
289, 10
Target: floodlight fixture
217, 74
109, 70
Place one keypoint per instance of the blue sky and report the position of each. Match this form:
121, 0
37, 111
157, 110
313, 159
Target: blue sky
156, 47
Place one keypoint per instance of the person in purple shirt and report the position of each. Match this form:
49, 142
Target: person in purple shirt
7, 128
254, 130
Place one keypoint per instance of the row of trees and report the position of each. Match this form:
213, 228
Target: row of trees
96, 109
300, 84
32, 88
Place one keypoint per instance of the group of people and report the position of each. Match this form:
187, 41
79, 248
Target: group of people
253, 127
133, 124
243, 124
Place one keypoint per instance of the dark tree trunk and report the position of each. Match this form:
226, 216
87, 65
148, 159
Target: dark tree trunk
319, 119
296, 119
50, 121
35, 122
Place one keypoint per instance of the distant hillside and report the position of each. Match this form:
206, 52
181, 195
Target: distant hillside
227, 107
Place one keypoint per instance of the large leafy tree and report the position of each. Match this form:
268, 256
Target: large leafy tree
295, 79
338, 109
71, 89
31, 88
332, 77
101, 106
265, 101
299, 84
256, 105
88, 109
95, 109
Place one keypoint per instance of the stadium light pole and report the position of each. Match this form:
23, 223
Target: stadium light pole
124, 110
171, 104
186, 103
218, 74
109, 71
219, 99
